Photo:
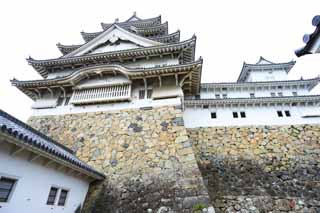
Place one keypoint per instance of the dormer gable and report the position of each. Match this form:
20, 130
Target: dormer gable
265, 70
113, 39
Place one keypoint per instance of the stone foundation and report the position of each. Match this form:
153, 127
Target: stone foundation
145, 153
260, 169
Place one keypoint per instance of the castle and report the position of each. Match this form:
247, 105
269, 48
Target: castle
130, 103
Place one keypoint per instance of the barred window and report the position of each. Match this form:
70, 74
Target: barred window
141, 94
149, 93
63, 197
6, 186
52, 196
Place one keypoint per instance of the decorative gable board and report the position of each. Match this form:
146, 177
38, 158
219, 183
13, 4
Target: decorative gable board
113, 39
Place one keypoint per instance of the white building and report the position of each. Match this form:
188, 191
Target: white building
262, 95
38, 174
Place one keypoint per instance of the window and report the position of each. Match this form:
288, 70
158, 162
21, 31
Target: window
294, 93
213, 115
52, 196
217, 96
60, 100
287, 113
206, 106
279, 113
6, 186
273, 94
63, 197
235, 114
224, 95
280, 94
149, 93
141, 94
243, 114
252, 95
67, 101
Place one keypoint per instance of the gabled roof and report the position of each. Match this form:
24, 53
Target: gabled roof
137, 23
65, 49
188, 48
312, 40
134, 17
169, 38
112, 34
25, 136
262, 65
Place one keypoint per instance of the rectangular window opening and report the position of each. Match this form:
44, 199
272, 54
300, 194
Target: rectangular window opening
243, 114
67, 101
224, 95
280, 94
52, 196
252, 95
279, 113
149, 93
6, 186
273, 94
294, 93
63, 197
287, 113
217, 96
206, 106
141, 94
213, 115
235, 114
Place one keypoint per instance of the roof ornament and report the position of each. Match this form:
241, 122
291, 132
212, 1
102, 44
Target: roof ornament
306, 38
316, 21
134, 13
116, 20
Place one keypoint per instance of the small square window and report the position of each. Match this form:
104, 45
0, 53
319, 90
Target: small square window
52, 196
63, 197
141, 94
213, 115
294, 93
224, 95
252, 95
243, 114
217, 96
6, 186
287, 113
273, 94
280, 94
206, 106
235, 114
279, 113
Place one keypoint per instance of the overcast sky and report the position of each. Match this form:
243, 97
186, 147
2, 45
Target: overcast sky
228, 33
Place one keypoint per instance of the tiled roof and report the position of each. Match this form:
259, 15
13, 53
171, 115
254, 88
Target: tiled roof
26, 135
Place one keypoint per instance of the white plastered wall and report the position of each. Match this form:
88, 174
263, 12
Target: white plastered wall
254, 116
33, 184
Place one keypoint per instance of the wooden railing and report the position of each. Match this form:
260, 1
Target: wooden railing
105, 94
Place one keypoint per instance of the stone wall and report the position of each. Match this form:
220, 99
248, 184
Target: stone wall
145, 154
261, 168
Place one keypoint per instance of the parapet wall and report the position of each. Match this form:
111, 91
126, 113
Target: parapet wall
145, 154
260, 168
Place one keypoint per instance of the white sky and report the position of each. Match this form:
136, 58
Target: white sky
228, 33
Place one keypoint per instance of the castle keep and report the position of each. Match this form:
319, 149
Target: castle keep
129, 102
